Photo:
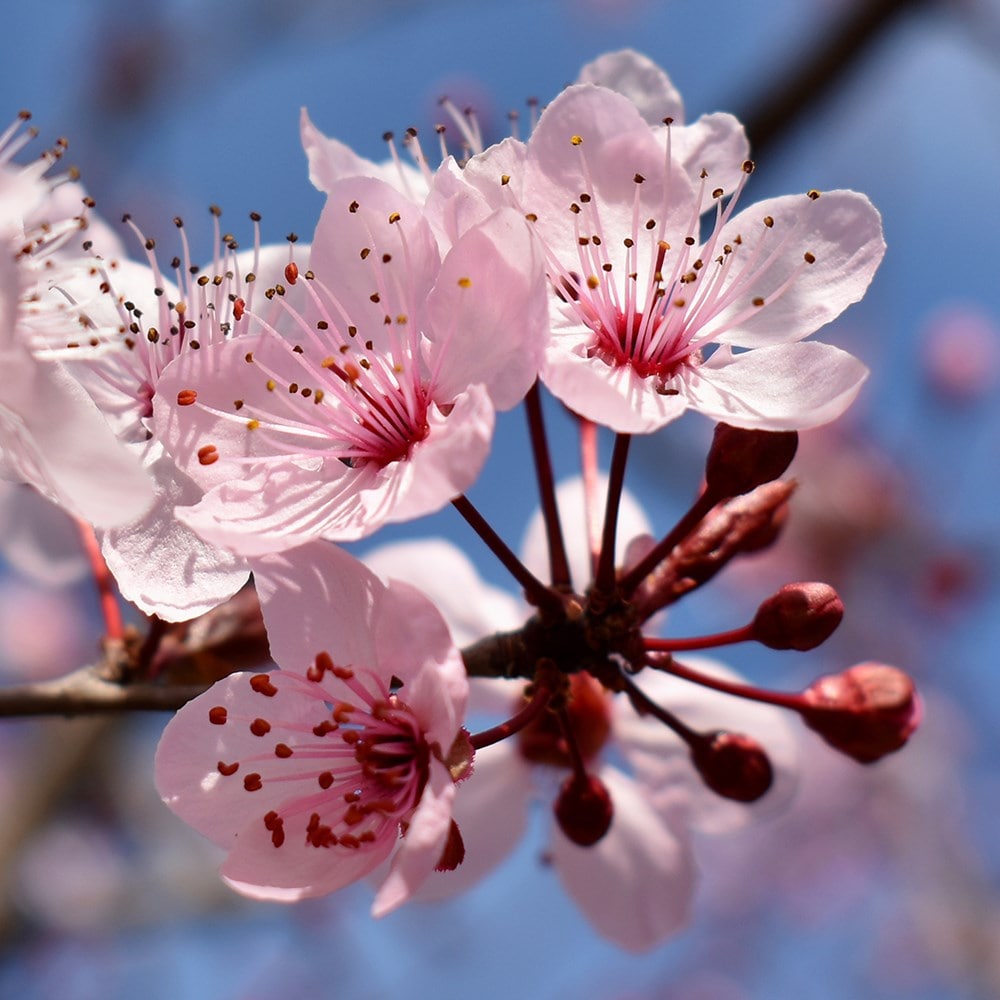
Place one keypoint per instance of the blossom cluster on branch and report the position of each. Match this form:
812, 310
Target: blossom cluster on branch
208, 421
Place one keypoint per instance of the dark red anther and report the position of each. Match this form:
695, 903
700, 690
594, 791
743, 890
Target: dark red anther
799, 616
866, 712
733, 766
583, 809
291, 272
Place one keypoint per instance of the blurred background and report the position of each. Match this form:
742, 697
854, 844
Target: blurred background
879, 882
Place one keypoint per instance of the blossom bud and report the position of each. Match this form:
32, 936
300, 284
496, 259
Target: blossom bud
866, 712
746, 523
583, 809
741, 460
799, 616
733, 765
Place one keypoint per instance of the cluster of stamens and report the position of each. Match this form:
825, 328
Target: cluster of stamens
363, 762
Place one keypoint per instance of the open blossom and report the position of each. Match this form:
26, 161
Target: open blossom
51, 434
379, 404
313, 775
636, 882
650, 316
141, 322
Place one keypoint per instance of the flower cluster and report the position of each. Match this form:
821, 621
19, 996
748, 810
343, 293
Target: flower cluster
252, 414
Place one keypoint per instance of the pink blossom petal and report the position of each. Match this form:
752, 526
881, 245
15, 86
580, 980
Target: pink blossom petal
640, 80
715, 144
785, 387
59, 447
840, 229
412, 641
446, 463
635, 884
186, 765
311, 597
191, 575
614, 146
422, 844
305, 872
471, 607
614, 396
488, 312
280, 507
373, 241
331, 161
491, 810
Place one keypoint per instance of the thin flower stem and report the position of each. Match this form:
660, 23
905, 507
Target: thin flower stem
744, 634
110, 611
591, 475
558, 563
630, 580
604, 578
544, 598
671, 666
530, 712
645, 705
576, 758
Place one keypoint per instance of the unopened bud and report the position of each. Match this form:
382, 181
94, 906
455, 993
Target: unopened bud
583, 809
866, 712
733, 765
799, 616
743, 524
740, 460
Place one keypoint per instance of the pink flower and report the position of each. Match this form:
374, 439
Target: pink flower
143, 320
379, 405
310, 774
51, 434
648, 317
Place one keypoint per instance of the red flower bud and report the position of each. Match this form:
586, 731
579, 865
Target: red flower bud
733, 766
741, 460
799, 616
583, 809
866, 712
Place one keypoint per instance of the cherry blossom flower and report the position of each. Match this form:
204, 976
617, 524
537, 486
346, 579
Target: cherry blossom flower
141, 322
310, 774
649, 316
51, 434
635, 884
380, 405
